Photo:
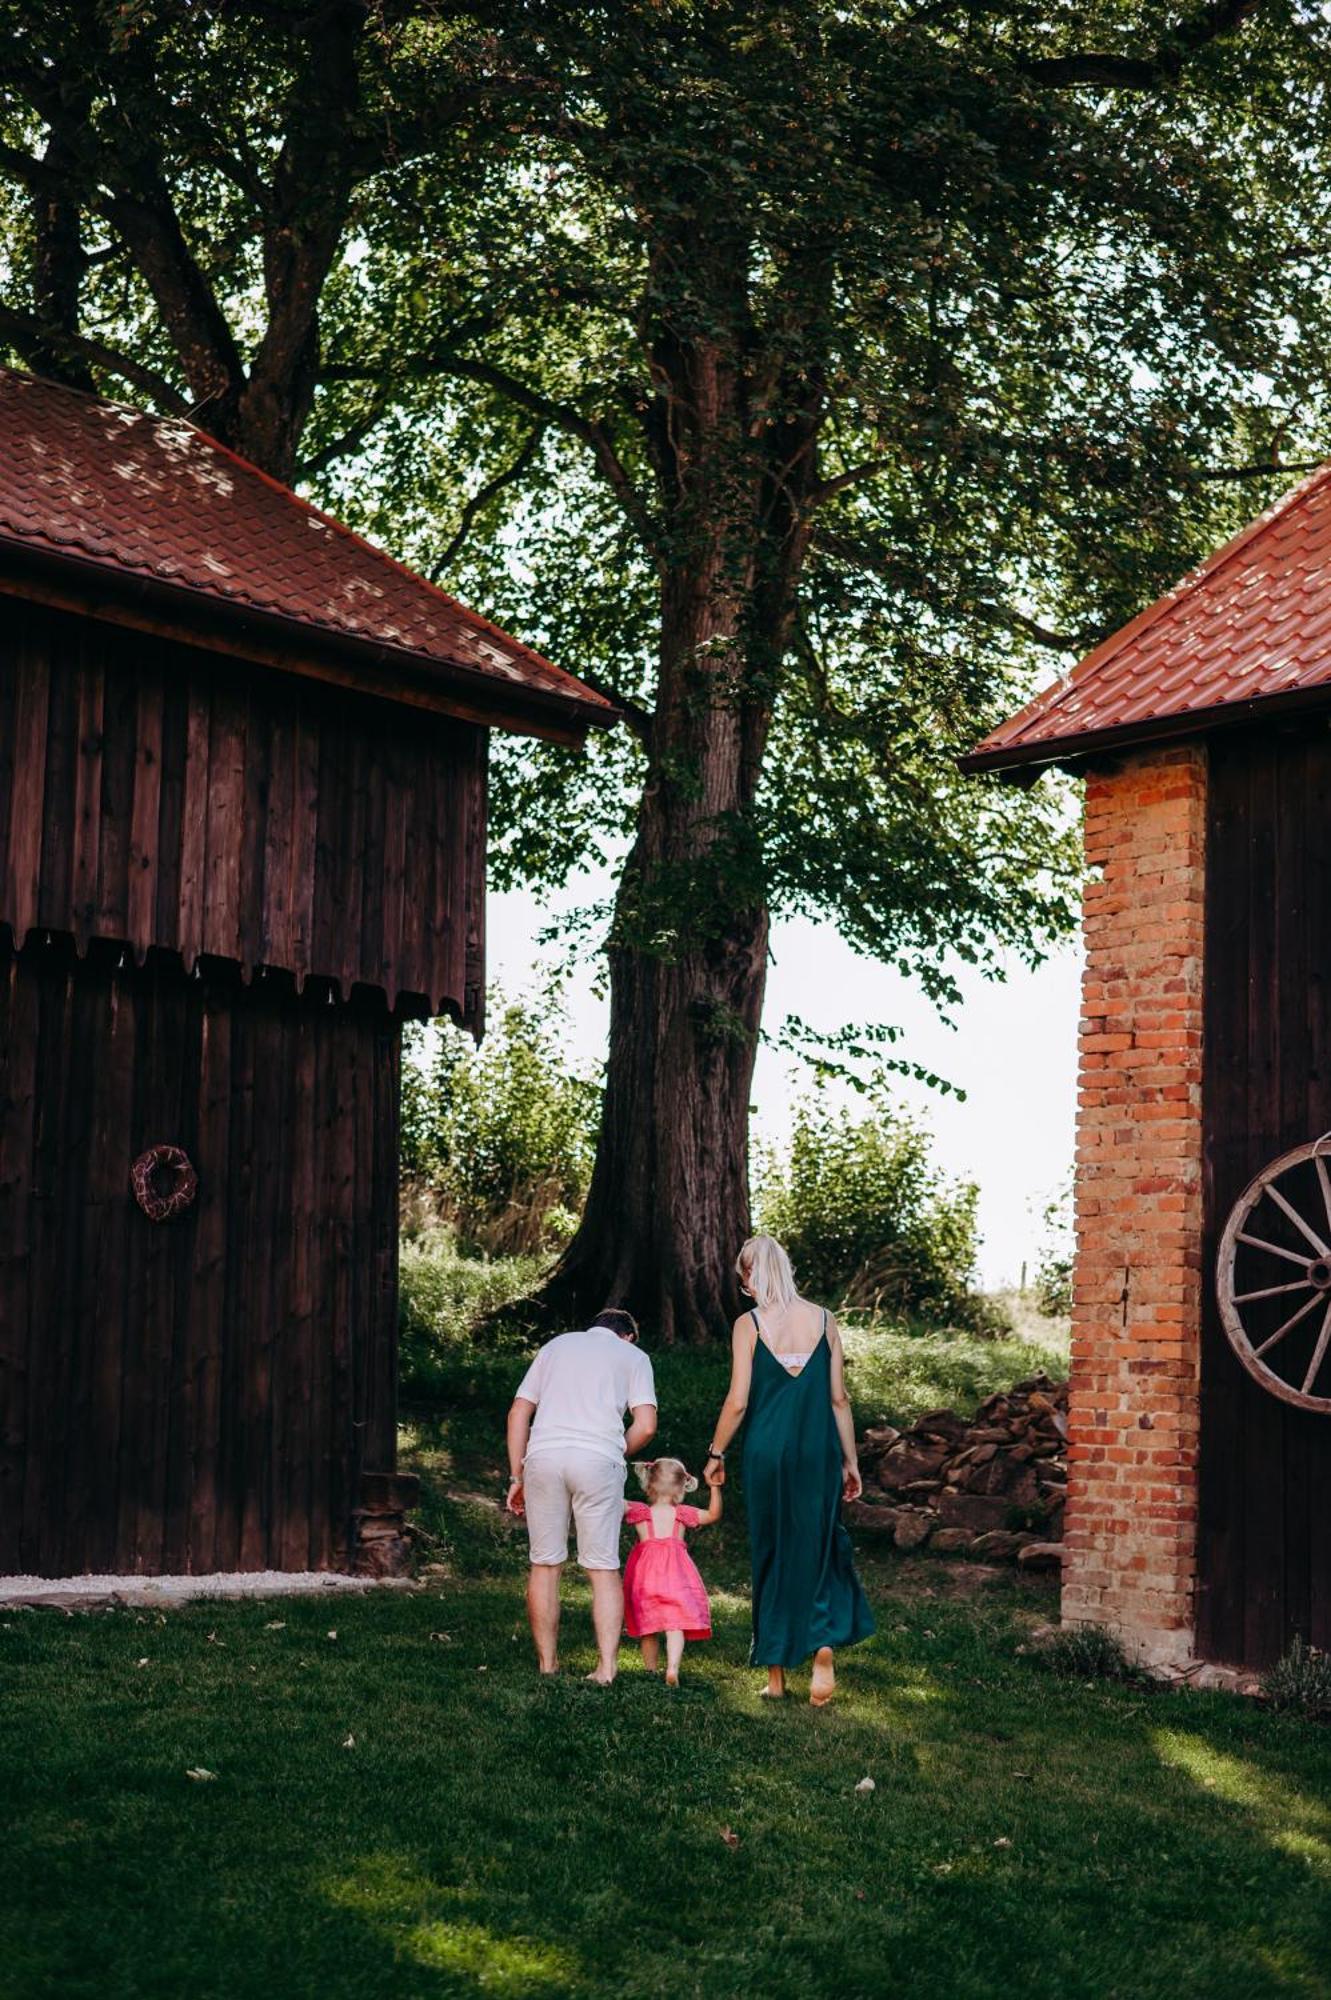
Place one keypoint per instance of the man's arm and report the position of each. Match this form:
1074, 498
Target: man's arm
642, 1429
519, 1430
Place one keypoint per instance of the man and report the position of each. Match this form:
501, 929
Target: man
570, 1461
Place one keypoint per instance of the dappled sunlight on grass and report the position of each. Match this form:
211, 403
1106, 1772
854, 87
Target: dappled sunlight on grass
1289, 1821
400, 1903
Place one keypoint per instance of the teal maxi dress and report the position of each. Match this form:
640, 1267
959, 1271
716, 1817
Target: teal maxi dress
805, 1590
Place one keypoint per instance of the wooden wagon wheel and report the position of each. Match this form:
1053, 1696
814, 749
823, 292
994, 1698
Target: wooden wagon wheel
1279, 1306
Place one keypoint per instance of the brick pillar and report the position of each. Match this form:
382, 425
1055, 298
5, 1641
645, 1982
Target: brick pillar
1130, 1535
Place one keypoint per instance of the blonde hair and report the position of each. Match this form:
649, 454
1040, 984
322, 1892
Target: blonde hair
654, 1473
763, 1269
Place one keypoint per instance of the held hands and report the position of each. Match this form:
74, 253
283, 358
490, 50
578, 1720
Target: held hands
714, 1472
515, 1502
851, 1483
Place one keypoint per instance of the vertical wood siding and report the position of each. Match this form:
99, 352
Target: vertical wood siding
1264, 1554
203, 1393
165, 797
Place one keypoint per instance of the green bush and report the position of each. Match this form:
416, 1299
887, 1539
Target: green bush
1089, 1653
443, 1297
1300, 1681
1053, 1273
871, 1224
498, 1140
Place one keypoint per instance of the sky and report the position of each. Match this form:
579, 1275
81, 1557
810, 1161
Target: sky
1013, 1050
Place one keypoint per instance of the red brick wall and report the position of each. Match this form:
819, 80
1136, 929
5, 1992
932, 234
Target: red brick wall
1131, 1519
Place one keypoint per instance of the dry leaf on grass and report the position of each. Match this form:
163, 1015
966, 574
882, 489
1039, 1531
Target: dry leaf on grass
200, 1775
730, 1837
276, 1625
143, 1662
348, 1742
1002, 1841
866, 1785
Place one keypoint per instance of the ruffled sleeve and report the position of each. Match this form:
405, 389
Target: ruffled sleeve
637, 1512
687, 1517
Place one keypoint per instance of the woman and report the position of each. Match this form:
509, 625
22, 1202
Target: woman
788, 1374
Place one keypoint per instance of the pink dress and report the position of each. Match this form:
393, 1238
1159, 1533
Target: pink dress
663, 1591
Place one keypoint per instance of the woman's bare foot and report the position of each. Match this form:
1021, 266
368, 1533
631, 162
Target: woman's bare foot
600, 1678
822, 1686
776, 1685
672, 1680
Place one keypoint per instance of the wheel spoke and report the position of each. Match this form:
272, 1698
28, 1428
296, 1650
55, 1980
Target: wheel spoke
1289, 1325
1318, 1352
1272, 1291
1325, 1178
1260, 1243
1304, 1229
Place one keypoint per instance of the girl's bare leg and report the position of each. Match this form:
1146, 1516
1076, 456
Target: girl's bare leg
674, 1654
776, 1684
822, 1686
651, 1653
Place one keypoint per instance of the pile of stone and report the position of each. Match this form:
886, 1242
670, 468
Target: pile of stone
993, 1487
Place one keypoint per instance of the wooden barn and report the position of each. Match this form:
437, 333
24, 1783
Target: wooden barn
1198, 1521
242, 839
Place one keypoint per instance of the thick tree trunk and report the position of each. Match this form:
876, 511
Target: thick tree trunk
669, 1200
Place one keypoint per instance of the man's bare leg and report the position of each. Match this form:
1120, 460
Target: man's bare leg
608, 1619
543, 1613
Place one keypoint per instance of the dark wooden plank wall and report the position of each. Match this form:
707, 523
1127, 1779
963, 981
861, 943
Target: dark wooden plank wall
1264, 1568
199, 1394
173, 798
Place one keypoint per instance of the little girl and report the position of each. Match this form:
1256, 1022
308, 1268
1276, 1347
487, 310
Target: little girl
663, 1591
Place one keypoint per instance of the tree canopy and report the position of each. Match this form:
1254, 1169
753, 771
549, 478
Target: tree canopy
812, 377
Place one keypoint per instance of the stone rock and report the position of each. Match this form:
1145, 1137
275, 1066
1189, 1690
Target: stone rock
1041, 1555
905, 1462
950, 1540
1001, 1542
977, 1511
875, 1520
914, 1526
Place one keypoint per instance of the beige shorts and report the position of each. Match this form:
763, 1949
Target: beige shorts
560, 1483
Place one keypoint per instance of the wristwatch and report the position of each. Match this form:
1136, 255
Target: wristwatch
714, 1454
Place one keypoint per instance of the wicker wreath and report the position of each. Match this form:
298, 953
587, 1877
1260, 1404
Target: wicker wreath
164, 1182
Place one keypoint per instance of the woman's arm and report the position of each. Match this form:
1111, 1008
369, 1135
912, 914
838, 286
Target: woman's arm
731, 1414
851, 1484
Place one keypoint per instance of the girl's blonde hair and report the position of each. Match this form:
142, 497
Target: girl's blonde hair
655, 1473
763, 1269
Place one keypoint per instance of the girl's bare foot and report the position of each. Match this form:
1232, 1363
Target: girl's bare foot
776, 1684
823, 1684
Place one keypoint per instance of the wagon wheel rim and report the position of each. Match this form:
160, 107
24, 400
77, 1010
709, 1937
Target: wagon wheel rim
1300, 1277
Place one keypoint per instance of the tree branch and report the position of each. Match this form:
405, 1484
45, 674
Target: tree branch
31, 338
1111, 71
481, 499
904, 577
563, 416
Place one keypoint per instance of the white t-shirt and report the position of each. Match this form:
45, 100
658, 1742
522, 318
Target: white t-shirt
582, 1384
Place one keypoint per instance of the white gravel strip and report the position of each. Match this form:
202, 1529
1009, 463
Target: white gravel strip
86, 1593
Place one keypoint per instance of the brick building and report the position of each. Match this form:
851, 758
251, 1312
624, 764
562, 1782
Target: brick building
1199, 1507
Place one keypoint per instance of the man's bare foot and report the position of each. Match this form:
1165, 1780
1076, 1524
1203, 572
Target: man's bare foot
776, 1685
822, 1686
548, 1673
600, 1678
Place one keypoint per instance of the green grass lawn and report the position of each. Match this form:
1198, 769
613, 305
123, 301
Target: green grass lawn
485, 1834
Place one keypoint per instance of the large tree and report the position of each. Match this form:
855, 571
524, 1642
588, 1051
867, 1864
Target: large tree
799, 371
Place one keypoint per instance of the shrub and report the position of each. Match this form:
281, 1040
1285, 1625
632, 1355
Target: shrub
1300, 1681
498, 1140
1088, 1653
1053, 1273
443, 1298
870, 1223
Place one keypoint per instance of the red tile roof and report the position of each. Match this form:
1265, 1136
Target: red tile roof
1248, 633
154, 499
